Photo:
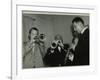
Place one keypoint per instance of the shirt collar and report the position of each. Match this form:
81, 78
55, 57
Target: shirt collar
83, 30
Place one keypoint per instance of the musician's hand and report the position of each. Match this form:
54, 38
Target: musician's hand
71, 56
60, 44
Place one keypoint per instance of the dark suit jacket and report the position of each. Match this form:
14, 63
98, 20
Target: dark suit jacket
82, 49
56, 58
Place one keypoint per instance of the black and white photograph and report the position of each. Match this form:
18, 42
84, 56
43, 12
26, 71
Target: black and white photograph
50, 40
55, 40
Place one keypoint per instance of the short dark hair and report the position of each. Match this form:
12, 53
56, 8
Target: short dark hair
33, 28
78, 19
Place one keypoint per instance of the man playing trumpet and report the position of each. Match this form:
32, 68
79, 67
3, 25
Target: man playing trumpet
34, 50
56, 52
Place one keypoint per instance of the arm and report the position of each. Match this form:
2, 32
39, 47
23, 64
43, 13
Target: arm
42, 49
27, 48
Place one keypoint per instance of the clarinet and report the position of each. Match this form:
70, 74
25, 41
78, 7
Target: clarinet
68, 53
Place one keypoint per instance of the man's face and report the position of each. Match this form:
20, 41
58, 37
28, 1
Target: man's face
34, 33
57, 37
77, 27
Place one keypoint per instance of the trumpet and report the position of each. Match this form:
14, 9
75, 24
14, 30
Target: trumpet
40, 38
55, 44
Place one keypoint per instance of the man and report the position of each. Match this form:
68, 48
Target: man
56, 53
81, 56
33, 51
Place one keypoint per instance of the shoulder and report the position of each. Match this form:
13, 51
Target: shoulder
85, 35
86, 32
